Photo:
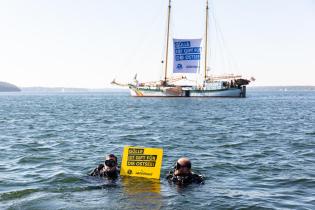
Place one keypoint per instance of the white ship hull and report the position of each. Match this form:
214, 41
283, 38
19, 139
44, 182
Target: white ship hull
186, 92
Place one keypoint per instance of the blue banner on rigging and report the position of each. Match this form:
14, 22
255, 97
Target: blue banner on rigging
186, 55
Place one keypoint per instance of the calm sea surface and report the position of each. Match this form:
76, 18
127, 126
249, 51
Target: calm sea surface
256, 153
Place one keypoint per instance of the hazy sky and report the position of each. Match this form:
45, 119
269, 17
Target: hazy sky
76, 43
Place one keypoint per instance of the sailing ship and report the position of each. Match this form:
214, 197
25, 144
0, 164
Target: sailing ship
187, 54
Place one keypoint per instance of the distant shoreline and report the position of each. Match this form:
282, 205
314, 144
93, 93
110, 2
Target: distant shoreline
63, 89
69, 90
8, 87
283, 88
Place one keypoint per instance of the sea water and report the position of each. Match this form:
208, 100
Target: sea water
256, 152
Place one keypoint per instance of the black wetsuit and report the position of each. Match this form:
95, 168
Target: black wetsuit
188, 179
99, 172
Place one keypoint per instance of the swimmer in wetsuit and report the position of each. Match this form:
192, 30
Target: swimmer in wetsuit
182, 174
109, 169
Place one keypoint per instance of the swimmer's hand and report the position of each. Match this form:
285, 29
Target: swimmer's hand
97, 170
100, 167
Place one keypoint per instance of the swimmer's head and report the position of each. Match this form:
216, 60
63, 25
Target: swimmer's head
110, 162
182, 167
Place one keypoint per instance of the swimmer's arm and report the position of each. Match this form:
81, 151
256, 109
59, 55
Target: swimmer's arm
96, 171
199, 178
170, 174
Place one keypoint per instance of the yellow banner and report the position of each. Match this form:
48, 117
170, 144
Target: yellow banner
142, 162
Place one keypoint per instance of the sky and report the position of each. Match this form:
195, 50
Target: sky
77, 43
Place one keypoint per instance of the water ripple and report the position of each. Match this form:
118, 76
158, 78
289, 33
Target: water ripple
256, 153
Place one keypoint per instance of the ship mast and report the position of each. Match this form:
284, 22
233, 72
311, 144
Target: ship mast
167, 39
206, 42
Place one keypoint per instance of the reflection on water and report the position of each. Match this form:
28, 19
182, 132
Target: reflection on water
142, 193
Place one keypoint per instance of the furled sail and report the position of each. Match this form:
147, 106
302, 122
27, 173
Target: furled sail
186, 55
